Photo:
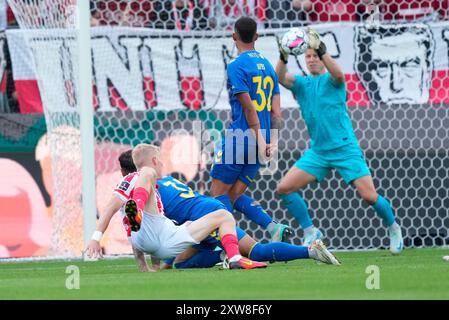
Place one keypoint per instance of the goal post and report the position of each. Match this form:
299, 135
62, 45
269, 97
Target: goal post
86, 119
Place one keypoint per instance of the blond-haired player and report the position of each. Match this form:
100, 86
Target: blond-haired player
151, 232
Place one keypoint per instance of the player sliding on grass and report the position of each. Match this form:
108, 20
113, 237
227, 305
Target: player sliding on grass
182, 204
322, 99
149, 231
254, 97
206, 255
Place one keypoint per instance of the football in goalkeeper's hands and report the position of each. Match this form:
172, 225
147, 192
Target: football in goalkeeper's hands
295, 41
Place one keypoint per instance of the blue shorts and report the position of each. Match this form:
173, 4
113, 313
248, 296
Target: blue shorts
348, 161
213, 240
240, 167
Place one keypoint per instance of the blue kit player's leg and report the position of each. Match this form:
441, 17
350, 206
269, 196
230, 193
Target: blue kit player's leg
281, 251
209, 252
202, 259
224, 175
229, 184
278, 251
207, 257
254, 211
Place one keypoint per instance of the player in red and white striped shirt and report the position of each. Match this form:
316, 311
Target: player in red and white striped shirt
153, 233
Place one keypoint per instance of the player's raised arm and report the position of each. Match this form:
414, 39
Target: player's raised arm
286, 79
331, 65
94, 249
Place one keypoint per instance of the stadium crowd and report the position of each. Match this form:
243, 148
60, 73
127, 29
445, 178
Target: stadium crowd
221, 14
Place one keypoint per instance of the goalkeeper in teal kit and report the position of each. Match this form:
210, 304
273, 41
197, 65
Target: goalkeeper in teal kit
333, 144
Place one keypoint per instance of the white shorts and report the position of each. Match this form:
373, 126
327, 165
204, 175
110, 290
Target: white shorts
160, 237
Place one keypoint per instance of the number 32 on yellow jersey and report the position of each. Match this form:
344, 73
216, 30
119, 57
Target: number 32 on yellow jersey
262, 85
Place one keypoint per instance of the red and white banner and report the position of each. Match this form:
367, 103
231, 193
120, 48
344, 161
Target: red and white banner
140, 69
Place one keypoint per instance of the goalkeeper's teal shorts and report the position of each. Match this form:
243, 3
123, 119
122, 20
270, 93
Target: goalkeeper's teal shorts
349, 162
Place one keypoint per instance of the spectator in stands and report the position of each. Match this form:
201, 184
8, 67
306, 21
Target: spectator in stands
333, 10
134, 13
223, 13
7, 18
94, 15
287, 13
3, 24
8, 96
174, 14
404, 11
200, 15
3, 10
182, 14
160, 16
12, 22
368, 10
3, 75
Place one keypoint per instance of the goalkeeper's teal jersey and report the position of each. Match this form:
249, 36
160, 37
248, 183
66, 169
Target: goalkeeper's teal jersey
323, 107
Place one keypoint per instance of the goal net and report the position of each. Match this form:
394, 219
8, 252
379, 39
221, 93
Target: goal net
50, 38
159, 76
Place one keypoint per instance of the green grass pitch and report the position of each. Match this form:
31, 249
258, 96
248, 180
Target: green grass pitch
416, 274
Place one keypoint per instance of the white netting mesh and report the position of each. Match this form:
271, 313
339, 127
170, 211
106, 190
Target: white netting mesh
46, 21
47, 14
159, 66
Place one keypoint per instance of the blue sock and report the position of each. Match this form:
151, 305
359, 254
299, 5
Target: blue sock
384, 210
297, 207
224, 198
253, 211
202, 259
278, 251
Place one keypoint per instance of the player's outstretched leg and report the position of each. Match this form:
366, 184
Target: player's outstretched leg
275, 251
253, 210
224, 221
320, 253
281, 251
202, 259
230, 244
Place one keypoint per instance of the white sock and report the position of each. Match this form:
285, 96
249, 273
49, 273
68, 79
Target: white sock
271, 226
312, 254
309, 230
237, 257
393, 227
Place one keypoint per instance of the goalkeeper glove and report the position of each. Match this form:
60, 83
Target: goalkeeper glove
316, 43
283, 56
